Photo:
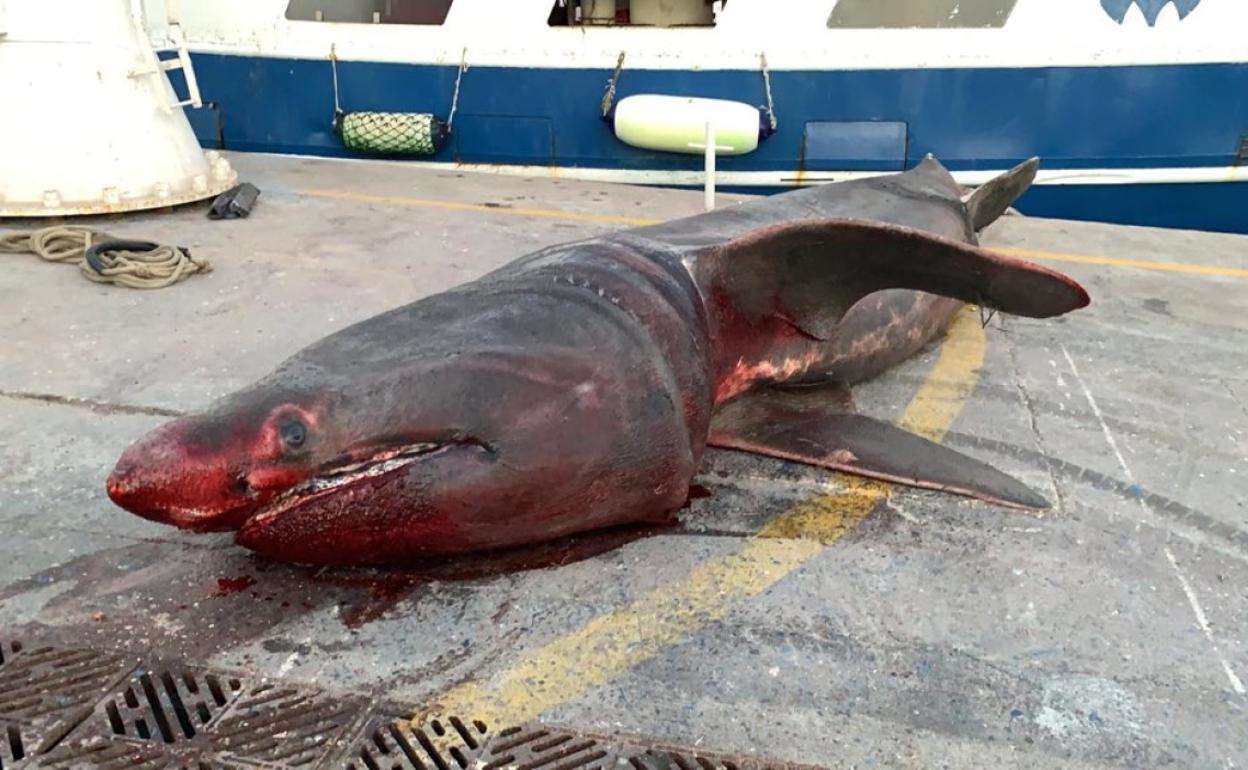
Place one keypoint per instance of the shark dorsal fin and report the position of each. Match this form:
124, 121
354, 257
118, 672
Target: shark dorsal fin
991, 199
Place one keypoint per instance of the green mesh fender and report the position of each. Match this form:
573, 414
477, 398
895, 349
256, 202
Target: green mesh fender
392, 133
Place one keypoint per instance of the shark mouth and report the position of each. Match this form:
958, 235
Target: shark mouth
377, 465
343, 476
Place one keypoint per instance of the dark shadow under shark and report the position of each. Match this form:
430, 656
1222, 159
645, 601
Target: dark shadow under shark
578, 387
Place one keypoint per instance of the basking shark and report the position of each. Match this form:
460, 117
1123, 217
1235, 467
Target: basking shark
578, 387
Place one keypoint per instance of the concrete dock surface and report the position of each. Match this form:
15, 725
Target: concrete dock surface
794, 614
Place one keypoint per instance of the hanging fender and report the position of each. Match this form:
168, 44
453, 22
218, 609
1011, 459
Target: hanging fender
678, 124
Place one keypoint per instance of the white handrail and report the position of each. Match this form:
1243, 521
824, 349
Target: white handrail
152, 63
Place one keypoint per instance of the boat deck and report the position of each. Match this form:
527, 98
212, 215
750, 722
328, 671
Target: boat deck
793, 614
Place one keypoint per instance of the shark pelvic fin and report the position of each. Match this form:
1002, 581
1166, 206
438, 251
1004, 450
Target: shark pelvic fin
809, 426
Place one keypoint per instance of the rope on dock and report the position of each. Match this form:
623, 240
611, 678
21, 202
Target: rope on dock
105, 259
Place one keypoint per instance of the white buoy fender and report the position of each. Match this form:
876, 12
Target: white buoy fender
678, 124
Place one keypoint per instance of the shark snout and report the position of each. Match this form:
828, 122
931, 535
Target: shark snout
125, 486
157, 479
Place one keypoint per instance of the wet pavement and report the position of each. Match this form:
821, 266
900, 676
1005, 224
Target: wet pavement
792, 613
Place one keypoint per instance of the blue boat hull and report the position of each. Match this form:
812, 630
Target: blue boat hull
1217, 207
1123, 117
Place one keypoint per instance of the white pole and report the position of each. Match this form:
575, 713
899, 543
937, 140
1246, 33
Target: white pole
709, 194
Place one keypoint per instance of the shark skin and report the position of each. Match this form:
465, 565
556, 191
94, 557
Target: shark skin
577, 388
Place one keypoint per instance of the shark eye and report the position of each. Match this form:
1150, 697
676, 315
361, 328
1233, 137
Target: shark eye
293, 433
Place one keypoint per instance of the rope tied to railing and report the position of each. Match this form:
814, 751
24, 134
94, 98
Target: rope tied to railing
608, 97
771, 106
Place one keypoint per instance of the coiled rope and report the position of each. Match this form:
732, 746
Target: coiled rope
105, 259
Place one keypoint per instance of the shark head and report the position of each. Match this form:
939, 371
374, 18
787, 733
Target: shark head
379, 444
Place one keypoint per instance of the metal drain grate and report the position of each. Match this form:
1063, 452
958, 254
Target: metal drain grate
108, 755
48, 691
72, 708
169, 705
12, 747
37, 683
454, 743
283, 725
8, 650
391, 743
656, 759
536, 748
539, 748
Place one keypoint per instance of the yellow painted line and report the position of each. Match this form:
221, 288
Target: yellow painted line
517, 211
951, 380
611, 644
1141, 264
611, 219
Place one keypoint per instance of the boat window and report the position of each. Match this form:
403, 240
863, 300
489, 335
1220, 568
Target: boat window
635, 13
900, 14
370, 11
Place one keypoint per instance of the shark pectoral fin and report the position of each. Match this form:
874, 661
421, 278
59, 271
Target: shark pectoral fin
803, 426
811, 272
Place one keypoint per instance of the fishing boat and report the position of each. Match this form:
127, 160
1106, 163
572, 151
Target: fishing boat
1138, 108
